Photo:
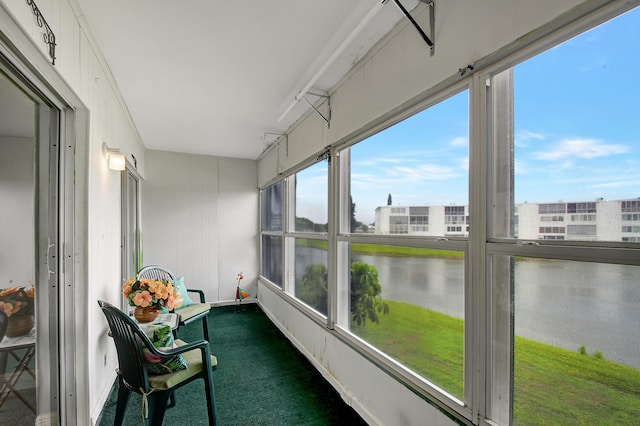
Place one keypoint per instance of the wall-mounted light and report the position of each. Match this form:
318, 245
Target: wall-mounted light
114, 157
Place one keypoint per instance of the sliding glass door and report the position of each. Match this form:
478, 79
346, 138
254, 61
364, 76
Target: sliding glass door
29, 253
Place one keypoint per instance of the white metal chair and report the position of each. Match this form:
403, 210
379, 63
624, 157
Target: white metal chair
187, 314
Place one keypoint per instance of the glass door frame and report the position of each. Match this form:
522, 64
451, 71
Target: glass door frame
61, 226
131, 234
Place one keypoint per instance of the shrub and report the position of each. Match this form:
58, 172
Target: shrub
365, 294
366, 302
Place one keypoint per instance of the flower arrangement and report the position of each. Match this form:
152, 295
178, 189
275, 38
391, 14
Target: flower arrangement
146, 292
18, 301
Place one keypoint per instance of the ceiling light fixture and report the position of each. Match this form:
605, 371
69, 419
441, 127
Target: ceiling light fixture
114, 157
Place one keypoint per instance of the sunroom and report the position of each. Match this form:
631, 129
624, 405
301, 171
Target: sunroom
435, 202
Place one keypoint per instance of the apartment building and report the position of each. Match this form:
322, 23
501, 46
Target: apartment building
613, 220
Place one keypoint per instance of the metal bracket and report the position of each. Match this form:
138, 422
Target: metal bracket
325, 155
275, 141
49, 36
326, 119
432, 22
464, 70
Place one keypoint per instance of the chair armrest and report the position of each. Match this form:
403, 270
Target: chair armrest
200, 292
199, 344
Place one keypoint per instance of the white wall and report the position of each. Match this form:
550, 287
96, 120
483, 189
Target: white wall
200, 220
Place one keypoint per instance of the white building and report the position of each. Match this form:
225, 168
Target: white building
616, 220
423, 220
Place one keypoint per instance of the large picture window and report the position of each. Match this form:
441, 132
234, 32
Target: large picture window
486, 249
576, 153
309, 236
410, 183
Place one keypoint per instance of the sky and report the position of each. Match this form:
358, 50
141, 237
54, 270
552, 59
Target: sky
576, 133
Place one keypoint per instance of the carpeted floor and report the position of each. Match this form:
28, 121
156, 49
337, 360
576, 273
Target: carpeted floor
261, 379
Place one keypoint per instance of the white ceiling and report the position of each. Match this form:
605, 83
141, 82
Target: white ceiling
212, 77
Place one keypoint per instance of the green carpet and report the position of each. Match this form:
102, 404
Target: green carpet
262, 379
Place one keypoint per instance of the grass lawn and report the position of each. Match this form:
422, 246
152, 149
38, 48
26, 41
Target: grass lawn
383, 250
553, 386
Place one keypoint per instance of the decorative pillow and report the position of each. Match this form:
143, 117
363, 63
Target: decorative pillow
182, 296
162, 338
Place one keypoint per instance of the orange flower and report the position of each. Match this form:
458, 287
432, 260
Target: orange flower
7, 308
8, 291
171, 302
146, 282
147, 292
143, 299
17, 300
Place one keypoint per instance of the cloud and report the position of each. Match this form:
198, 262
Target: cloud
403, 176
617, 184
425, 172
460, 141
522, 138
584, 148
463, 163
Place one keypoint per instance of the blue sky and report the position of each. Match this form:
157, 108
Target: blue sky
577, 134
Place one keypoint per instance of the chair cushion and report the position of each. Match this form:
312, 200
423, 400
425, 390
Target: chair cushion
162, 338
182, 300
194, 362
192, 310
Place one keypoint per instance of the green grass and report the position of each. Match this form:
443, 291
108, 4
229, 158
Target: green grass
377, 249
426, 341
553, 386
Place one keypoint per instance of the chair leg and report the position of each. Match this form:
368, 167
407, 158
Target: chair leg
205, 327
157, 406
211, 398
172, 400
121, 405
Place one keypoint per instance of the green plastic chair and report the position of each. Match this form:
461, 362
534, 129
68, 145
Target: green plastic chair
156, 390
188, 314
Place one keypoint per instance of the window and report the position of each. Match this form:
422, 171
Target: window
309, 238
575, 350
398, 224
551, 208
311, 273
408, 301
551, 230
581, 207
271, 225
551, 218
582, 218
571, 329
581, 230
